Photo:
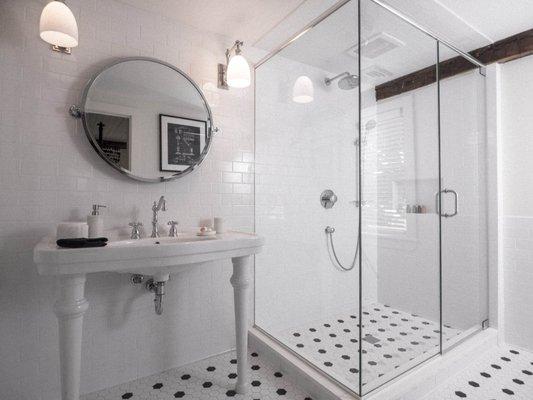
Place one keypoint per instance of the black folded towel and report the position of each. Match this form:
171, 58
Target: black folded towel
82, 242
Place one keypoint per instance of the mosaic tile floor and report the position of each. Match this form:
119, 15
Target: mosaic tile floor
213, 378
502, 373
393, 339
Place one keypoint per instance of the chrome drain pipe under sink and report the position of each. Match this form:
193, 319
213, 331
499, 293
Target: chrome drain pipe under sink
154, 285
158, 288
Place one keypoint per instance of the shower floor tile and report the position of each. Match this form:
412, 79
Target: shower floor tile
212, 378
393, 339
502, 373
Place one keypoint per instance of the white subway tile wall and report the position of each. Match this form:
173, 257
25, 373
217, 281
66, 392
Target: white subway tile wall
516, 220
518, 280
49, 173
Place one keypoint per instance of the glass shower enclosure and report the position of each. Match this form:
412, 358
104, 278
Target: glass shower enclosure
370, 192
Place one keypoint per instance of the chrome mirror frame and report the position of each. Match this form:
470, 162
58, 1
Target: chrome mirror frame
78, 112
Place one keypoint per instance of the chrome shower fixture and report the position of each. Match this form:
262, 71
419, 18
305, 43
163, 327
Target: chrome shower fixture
347, 81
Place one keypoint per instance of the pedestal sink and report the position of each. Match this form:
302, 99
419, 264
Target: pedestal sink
159, 256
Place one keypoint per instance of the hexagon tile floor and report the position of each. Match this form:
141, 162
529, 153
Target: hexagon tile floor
502, 373
213, 378
393, 338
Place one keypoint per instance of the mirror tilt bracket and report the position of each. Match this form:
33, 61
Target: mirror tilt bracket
75, 111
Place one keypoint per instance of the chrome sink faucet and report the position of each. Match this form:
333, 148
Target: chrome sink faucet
161, 205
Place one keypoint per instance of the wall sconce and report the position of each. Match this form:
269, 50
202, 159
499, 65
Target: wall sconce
58, 27
303, 91
236, 72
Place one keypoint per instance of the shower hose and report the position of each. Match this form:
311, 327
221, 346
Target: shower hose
329, 233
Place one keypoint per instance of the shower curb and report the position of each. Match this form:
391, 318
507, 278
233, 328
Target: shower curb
414, 385
306, 376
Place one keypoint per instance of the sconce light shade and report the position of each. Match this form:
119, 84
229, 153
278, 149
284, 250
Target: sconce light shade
303, 91
238, 72
58, 25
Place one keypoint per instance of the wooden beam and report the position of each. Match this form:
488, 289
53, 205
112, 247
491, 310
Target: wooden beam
511, 48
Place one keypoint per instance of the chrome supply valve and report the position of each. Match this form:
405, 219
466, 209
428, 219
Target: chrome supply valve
135, 230
173, 231
329, 230
137, 279
328, 199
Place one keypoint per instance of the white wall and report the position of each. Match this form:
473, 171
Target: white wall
49, 173
517, 200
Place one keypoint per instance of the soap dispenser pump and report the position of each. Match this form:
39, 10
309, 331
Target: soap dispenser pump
96, 222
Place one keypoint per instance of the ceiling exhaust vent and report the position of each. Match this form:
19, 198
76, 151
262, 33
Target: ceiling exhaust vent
376, 72
376, 46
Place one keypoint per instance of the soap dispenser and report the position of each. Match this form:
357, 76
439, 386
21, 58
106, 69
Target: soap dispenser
96, 222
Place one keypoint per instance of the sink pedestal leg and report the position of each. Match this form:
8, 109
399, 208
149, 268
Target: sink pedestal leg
240, 281
69, 309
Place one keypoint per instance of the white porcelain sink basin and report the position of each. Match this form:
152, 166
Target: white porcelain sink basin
144, 256
157, 257
182, 238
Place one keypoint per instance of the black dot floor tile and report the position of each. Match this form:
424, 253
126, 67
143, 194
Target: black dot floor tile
505, 381
211, 379
394, 338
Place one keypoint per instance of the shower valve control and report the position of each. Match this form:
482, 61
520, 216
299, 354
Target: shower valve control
328, 199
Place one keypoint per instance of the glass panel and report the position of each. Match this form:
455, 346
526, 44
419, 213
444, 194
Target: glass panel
306, 130
400, 168
464, 235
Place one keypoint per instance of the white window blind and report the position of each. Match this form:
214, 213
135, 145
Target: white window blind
386, 135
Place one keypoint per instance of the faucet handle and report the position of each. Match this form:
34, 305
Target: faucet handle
135, 232
173, 231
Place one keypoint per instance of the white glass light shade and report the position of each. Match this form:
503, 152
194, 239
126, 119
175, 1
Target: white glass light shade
58, 25
238, 73
303, 91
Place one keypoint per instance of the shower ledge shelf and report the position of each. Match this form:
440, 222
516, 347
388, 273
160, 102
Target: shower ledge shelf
144, 256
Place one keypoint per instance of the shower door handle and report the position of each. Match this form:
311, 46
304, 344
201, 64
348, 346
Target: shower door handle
455, 203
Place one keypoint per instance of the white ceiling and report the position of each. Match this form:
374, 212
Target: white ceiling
467, 24
470, 24
496, 19
246, 20
327, 46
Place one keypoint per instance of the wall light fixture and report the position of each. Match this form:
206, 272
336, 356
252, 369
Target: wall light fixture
236, 72
58, 27
303, 91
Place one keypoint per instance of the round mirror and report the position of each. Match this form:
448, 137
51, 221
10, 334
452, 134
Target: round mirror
147, 119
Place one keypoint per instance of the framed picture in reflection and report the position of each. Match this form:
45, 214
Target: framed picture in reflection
182, 142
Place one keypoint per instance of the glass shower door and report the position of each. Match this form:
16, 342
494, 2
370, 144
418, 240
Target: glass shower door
464, 207
399, 149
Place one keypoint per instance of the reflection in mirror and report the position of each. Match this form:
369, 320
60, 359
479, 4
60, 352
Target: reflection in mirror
147, 119
112, 134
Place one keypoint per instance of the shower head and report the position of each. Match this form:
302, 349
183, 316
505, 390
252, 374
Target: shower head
347, 82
